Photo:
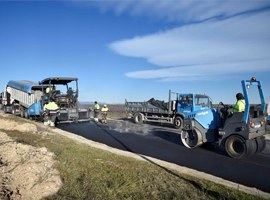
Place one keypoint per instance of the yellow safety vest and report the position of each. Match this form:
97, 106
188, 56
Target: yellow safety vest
97, 107
104, 109
239, 106
50, 106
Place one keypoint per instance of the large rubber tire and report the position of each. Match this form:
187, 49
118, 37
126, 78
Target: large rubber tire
5, 109
178, 122
239, 148
22, 113
26, 114
191, 138
13, 109
261, 144
138, 118
251, 147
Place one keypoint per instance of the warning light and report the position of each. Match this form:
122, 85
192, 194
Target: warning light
253, 78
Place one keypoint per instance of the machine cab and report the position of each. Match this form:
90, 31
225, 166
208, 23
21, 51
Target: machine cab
62, 90
193, 102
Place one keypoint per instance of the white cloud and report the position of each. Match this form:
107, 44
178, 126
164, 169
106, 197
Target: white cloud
202, 72
181, 10
238, 44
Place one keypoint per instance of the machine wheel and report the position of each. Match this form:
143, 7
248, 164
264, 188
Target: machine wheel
251, 147
138, 118
25, 113
261, 144
5, 109
191, 138
178, 122
22, 112
13, 109
237, 147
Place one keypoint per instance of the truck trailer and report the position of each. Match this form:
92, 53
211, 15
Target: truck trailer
173, 112
27, 98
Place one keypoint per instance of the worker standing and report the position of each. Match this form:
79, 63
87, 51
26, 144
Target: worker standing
96, 111
240, 104
51, 110
104, 111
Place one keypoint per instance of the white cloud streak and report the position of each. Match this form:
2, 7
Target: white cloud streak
235, 45
201, 72
181, 10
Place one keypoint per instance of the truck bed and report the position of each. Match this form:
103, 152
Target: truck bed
145, 107
26, 99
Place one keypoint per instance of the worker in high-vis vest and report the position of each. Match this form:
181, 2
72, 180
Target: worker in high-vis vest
51, 110
104, 111
240, 104
48, 90
96, 111
48, 93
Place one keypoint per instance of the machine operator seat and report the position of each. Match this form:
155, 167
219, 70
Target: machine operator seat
234, 118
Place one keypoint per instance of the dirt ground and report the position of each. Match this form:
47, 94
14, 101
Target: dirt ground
26, 172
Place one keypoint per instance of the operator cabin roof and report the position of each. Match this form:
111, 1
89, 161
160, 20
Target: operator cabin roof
58, 80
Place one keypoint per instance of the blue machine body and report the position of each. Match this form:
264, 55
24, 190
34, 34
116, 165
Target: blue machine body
198, 107
241, 134
35, 109
207, 116
246, 85
26, 98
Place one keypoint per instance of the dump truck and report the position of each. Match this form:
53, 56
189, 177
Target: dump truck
240, 134
172, 112
27, 98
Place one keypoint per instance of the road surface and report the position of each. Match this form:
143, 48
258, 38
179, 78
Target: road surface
164, 143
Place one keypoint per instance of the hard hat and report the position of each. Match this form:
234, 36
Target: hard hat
95, 102
105, 105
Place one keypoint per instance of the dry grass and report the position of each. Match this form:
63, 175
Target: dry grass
90, 173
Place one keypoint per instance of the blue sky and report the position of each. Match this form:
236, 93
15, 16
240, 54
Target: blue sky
137, 50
